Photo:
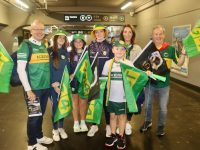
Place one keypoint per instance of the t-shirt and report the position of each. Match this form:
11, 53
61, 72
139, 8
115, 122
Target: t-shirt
38, 67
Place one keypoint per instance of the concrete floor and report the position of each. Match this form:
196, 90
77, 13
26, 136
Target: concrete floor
183, 126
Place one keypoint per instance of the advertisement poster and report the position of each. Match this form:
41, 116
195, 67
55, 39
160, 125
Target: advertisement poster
178, 34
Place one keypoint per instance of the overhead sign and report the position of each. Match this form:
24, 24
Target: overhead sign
93, 18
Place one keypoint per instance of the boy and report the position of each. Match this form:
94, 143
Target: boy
116, 100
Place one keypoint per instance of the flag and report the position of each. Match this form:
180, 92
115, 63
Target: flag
65, 98
134, 81
95, 85
192, 41
6, 66
95, 107
83, 74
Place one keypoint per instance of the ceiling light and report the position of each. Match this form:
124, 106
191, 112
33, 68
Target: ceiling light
126, 5
22, 4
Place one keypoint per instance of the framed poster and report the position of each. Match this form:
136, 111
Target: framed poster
178, 34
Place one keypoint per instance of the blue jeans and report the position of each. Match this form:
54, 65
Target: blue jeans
162, 95
34, 124
54, 101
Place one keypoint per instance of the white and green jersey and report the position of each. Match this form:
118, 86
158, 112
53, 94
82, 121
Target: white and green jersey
38, 66
116, 82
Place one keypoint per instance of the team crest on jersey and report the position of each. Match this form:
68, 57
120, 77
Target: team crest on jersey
104, 53
62, 56
166, 55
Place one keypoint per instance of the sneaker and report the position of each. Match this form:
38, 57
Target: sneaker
160, 131
83, 127
110, 141
108, 131
45, 140
37, 147
63, 134
121, 143
128, 129
76, 128
56, 136
145, 126
92, 131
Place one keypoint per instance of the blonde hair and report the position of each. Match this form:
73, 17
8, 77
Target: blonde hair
158, 27
36, 22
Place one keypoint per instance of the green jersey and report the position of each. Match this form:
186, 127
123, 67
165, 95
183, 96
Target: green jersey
38, 66
169, 54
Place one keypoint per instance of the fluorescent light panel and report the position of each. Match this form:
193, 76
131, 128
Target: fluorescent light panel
126, 5
22, 4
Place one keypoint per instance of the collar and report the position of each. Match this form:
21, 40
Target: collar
32, 40
164, 46
99, 41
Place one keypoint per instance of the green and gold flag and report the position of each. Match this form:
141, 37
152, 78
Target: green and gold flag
95, 107
83, 74
6, 66
134, 81
192, 41
65, 98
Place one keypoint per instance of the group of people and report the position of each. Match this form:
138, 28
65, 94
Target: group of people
41, 78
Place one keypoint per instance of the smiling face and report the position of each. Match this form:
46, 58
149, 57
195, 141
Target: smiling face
78, 44
61, 40
99, 34
119, 52
37, 30
127, 34
158, 36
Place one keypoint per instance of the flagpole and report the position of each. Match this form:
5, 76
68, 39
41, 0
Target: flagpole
94, 58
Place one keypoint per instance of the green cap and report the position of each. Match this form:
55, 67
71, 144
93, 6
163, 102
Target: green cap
98, 26
78, 36
61, 32
119, 43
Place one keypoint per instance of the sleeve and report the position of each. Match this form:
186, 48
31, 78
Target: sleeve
111, 55
135, 52
175, 55
105, 69
23, 52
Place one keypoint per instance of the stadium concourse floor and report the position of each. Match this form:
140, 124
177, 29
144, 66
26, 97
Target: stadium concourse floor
183, 125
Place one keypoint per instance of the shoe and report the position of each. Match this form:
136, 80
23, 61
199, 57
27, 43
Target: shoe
160, 131
92, 131
76, 128
45, 140
83, 127
117, 130
56, 136
108, 131
110, 141
121, 142
37, 147
128, 129
145, 126
63, 134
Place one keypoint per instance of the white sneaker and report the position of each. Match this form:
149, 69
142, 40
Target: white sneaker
83, 127
128, 129
92, 131
56, 136
63, 134
76, 128
37, 147
45, 140
108, 131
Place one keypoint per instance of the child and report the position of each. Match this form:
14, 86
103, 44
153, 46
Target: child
116, 100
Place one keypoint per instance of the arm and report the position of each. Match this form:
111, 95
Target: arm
181, 59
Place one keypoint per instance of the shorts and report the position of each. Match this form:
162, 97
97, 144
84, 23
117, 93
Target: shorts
117, 108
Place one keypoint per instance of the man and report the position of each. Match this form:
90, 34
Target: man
159, 88
35, 78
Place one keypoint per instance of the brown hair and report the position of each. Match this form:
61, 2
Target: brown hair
73, 52
133, 31
55, 51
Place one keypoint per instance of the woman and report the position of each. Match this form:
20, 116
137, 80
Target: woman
128, 35
79, 104
58, 61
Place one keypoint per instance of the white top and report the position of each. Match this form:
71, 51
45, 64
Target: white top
134, 52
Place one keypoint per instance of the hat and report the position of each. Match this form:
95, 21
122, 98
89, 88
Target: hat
78, 36
99, 26
119, 43
61, 32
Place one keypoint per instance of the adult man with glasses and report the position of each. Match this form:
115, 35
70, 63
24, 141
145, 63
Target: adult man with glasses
35, 77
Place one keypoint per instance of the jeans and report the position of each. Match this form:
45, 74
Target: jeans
54, 101
162, 95
34, 124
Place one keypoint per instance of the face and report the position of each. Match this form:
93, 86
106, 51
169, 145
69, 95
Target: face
78, 43
119, 52
37, 31
127, 34
99, 34
61, 40
158, 36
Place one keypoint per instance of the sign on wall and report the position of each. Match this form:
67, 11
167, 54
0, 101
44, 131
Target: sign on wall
93, 18
178, 34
